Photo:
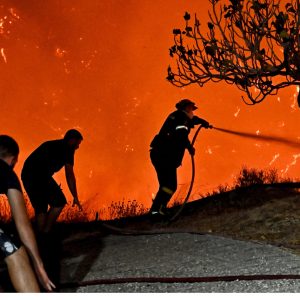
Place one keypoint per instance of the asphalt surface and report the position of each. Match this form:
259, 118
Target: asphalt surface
177, 255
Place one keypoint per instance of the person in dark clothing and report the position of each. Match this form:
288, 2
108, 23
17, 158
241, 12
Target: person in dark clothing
39, 184
15, 254
167, 151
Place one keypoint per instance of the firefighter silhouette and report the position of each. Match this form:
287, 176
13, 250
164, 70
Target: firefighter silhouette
167, 151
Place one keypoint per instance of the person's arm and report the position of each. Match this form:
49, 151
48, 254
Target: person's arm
182, 132
198, 121
24, 228
71, 181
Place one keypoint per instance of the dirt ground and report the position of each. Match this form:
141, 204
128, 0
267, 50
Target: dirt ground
265, 214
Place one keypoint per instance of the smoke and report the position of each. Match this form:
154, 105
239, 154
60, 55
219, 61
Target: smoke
266, 138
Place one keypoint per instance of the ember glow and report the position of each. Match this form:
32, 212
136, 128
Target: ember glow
100, 67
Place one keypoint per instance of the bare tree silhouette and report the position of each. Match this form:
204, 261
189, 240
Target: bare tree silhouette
254, 44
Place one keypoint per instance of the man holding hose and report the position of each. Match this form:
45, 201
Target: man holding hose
167, 151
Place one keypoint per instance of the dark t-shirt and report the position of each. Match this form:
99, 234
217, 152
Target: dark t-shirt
8, 178
49, 158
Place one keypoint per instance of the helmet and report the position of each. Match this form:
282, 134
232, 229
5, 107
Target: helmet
182, 104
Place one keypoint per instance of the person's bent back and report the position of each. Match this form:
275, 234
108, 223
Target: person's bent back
43, 191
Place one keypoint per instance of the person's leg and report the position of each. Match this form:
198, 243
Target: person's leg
37, 190
169, 186
50, 240
52, 216
157, 201
57, 201
21, 273
50, 245
157, 164
41, 221
167, 179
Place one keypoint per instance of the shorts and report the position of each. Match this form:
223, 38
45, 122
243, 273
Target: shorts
8, 245
42, 192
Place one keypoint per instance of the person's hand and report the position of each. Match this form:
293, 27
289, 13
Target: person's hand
76, 202
43, 278
205, 125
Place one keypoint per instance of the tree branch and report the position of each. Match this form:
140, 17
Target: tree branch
253, 44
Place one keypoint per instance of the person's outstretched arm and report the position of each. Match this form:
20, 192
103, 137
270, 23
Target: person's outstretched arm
71, 181
24, 228
199, 121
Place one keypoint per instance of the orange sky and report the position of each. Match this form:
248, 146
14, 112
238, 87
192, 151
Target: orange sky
100, 67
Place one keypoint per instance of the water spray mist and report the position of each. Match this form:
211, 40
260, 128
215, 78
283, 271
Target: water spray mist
267, 138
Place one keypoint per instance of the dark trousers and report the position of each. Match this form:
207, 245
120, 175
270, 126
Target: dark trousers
166, 172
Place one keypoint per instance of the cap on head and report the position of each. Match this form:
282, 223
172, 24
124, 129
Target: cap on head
8, 146
182, 104
73, 134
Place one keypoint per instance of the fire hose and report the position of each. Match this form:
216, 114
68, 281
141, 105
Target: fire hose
275, 139
175, 216
203, 279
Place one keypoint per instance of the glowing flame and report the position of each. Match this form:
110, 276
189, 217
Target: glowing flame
8, 19
209, 150
274, 158
3, 55
295, 156
237, 113
294, 105
13, 12
128, 148
60, 53
293, 163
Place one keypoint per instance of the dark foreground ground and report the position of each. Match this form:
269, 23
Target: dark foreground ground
242, 241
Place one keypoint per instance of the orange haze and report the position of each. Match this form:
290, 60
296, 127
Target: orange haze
100, 67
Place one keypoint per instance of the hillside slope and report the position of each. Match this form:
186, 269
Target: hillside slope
269, 214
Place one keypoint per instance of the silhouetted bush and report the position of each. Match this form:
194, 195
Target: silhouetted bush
250, 176
5, 212
125, 209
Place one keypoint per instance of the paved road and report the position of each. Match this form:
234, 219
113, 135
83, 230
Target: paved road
177, 255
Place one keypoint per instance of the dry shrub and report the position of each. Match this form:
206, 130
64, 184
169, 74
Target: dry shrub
125, 209
251, 176
72, 214
248, 177
5, 212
